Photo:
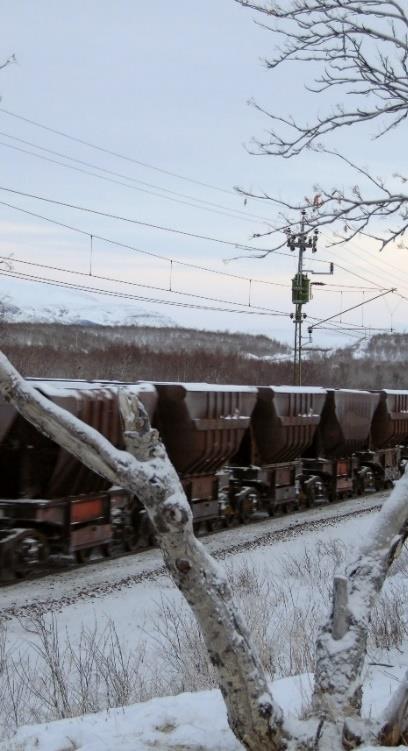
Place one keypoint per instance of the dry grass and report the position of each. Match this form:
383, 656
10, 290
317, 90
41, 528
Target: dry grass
55, 677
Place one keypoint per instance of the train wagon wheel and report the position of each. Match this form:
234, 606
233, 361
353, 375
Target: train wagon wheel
28, 551
249, 503
83, 555
106, 549
229, 518
130, 539
309, 497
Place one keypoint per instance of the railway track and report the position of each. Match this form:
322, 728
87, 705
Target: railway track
53, 589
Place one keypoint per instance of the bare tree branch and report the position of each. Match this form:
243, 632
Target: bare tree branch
360, 51
8, 61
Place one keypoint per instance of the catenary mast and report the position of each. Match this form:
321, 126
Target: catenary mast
301, 289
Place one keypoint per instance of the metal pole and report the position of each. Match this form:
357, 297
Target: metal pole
297, 361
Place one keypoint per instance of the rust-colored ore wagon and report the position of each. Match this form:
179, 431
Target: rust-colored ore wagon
202, 427
343, 433
49, 501
282, 429
389, 433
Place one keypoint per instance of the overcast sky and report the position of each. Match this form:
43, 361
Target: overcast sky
167, 84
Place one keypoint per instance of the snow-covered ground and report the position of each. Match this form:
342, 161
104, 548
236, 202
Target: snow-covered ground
187, 722
281, 571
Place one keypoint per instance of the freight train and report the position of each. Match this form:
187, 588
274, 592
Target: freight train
239, 451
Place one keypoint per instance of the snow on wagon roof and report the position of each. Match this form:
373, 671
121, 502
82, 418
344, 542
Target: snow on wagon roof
209, 386
300, 389
395, 392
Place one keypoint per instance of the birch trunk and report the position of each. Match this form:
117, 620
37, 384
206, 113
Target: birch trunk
145, 470
342, 642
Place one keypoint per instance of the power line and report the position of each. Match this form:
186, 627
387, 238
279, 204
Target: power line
139, 222
229, 212
116, 153
150, 253
377, 261
350, 287
159, 227
140, 163
92, 235
353, 307
22, 276
348, 247
113, 173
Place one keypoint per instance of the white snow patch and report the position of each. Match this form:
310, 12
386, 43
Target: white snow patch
187, 722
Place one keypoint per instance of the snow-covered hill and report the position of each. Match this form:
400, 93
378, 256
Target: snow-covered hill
35, 302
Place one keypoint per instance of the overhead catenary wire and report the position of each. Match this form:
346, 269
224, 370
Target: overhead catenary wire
116, 293
163, 228
93, 236
109, 240
353, 307
129, 159
140, 298
168, 259
131, 220
378, 271
128, 296
333, 327
255, 308
170, 288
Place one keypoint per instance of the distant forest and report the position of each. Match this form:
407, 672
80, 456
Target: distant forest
131, 353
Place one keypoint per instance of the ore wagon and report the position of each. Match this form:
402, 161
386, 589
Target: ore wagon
389, 433
341, 441
282, 428
202, 427
50, 501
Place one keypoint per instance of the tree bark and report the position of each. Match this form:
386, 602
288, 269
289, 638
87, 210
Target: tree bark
145, 470
342, 641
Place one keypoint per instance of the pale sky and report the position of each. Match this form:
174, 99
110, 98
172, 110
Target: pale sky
167, 84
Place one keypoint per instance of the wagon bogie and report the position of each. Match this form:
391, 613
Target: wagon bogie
385, 465
21, 550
